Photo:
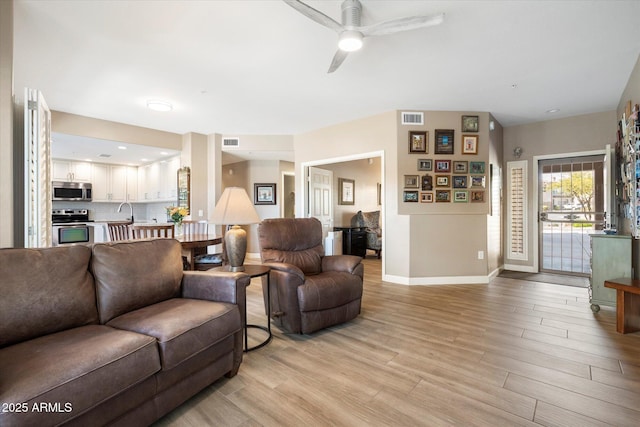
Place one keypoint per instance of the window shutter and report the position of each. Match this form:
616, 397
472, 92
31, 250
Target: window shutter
517, 215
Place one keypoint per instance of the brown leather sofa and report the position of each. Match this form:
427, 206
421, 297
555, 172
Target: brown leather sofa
309, 291
116, 334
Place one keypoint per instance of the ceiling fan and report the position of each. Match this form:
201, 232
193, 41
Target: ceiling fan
351, 33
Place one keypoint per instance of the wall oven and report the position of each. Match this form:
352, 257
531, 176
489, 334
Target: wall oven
72, 227
71, 191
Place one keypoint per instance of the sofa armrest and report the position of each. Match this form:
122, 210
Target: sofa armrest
286, 268
215, 286
347, 263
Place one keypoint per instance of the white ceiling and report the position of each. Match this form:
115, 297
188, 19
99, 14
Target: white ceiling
259, 67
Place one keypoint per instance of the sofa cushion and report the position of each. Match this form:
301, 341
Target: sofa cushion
329, 290
132, 275
182, 326
45, 291
77, 368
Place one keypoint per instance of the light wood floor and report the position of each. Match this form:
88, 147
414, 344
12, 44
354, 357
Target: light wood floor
509, 353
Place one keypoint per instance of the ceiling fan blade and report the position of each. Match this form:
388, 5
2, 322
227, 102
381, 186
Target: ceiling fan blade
402, 24
315, 15
338, 59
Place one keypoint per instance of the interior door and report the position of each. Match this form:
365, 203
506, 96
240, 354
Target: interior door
320, 197
37, 171
572, 206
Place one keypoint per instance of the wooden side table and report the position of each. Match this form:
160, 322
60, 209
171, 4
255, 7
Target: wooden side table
255, 270
354, 240
627, 303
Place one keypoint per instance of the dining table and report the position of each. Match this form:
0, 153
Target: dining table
192, 242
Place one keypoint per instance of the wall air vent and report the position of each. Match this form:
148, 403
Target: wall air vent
412, 118
104, 155
230, 142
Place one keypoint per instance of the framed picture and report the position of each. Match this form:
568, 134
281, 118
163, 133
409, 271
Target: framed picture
418, 141
459, 181
443, 165
477, 181
346, 191
460, 196
410, 196
444, 141
477, 196
264, 194
469, 144
427, 183
425, 164
460, 166
469, 123
411, 181
443, 196
442, 180
426, 197
476, 168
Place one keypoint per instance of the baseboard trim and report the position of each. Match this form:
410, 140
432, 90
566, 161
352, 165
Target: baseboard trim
521, 268
434, 281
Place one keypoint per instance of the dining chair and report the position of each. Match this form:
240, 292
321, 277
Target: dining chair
191, 227
152, 231
119, 231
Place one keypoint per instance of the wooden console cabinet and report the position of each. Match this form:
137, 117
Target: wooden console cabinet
354, 240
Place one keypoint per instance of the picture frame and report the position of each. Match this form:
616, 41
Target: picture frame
443, 165
470, 124
411, 181
425, 164
427, 183
469, 144
418, 141
410, 196
264, 194
426, 197
460, 181
442, 180
346, 191
443, 196
460, 196
476, 168
444, 141
477, 196
477, 181
460, 166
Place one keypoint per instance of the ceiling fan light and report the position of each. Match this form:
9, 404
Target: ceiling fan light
350, 41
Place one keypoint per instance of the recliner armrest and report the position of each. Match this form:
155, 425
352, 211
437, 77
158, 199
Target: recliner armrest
286, 268
347, 263
215, 286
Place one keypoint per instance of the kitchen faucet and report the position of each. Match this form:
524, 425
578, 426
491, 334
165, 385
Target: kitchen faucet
130, 209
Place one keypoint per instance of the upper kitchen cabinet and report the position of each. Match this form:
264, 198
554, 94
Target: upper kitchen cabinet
115, 183
157, 181
67, 170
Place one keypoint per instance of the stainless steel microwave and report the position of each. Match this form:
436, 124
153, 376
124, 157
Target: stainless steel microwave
71, 191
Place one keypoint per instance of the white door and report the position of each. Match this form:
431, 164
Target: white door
320, 198
37, 171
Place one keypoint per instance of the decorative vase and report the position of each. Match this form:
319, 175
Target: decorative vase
179, 230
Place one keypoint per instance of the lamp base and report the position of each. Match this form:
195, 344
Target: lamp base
235, 241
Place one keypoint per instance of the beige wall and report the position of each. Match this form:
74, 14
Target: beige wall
6, 123
569, 135
495, 232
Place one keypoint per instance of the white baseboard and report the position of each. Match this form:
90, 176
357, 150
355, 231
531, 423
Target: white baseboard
431, 281
495, 273
522, 268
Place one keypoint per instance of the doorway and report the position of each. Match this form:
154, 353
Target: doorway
571, 203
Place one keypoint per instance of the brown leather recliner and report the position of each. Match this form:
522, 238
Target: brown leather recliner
309, 291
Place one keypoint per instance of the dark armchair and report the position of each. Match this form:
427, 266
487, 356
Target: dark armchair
309, 291
370, 221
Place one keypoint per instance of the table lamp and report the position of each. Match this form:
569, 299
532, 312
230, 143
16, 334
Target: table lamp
234, 208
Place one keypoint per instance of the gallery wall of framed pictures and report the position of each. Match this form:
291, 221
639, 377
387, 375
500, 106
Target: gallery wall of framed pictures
446, 164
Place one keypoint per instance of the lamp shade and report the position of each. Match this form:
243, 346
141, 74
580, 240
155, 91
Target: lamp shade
235, 208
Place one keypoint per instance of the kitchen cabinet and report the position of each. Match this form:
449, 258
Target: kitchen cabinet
158, 181
114, 183
67, 170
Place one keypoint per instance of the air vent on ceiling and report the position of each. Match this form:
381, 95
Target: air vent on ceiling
412, 118
230, 142
104, 155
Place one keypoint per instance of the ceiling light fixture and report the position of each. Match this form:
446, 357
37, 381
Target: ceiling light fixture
350, 41
121, 147
553, 110
157, 105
